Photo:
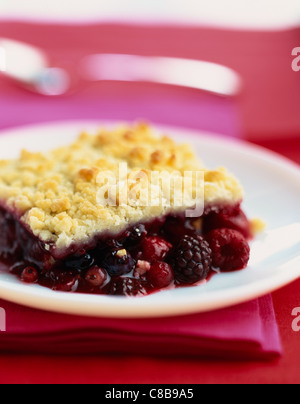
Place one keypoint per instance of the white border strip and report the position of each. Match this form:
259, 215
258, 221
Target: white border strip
233, 14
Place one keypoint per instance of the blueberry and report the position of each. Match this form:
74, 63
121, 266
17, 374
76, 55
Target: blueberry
82, 263
118, 262
137, 234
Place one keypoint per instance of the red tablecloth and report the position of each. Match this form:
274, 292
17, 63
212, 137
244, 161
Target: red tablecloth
269, 109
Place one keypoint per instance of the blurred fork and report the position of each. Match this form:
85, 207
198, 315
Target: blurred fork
29, 66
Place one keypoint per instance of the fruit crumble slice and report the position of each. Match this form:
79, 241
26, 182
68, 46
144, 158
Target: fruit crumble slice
55, 231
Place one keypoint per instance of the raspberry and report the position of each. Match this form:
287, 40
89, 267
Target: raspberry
96, 276
155, 249
29, 275
160, 274
191, 259
126, 287
228, 218
230, 250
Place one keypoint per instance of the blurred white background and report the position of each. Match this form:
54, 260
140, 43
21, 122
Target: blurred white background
249, 14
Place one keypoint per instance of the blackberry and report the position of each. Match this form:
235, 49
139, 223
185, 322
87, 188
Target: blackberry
126, 287
191, 259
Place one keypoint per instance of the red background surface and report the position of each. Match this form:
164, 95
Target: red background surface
269, 104
270, 115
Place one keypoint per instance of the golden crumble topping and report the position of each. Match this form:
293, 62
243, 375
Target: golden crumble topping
66, 195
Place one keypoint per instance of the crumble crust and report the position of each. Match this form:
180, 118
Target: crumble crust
55, 193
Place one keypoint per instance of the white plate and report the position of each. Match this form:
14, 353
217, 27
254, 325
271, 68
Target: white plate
272, 186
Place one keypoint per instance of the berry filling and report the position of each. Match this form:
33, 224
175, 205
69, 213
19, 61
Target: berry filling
170, 252
229, 218
126, 287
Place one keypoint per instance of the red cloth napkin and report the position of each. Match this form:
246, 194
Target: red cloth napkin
246, 331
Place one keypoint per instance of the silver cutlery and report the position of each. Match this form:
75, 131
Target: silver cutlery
30, 67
